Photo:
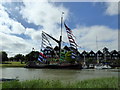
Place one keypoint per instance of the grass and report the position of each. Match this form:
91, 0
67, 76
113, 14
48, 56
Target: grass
111, 82
13, 64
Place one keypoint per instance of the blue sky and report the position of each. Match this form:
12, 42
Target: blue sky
24, 21
88, 13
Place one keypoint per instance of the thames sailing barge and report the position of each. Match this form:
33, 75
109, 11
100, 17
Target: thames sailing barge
60, 58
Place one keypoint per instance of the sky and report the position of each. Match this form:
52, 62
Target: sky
94, 24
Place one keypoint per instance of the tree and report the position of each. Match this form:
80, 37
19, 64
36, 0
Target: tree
70, 56
32, 56
62, 55
3, 56
11, 58
19, 57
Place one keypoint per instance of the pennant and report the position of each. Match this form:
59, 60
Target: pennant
67, 27
70, 36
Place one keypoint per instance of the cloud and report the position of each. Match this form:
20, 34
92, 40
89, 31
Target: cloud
112, 8
10, 29
9, 42
44, 14
14, 45
8, 25
86, 37
47, 15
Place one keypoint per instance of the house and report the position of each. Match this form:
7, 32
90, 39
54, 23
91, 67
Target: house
99, 55
84, 55
66, 49
114, 55
118, 54
107, 54
92, 55
48, 51
56, 50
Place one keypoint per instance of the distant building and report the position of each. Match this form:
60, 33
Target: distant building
48, 51
114, 55
92, 55
56, 50
66, 49
84, 55
99, 55
118, 54
107, 55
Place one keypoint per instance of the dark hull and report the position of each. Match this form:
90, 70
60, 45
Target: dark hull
5, 79
75, 66
113, 66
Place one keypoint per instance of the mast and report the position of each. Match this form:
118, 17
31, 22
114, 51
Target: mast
61, 35
97, 49
62, 22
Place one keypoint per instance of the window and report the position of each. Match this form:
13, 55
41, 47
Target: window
45, 52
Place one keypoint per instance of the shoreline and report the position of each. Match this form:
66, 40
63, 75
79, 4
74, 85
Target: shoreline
12, 64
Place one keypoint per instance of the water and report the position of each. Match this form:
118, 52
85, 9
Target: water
56, 74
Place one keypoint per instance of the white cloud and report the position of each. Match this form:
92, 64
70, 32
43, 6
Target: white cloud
44, 14
11, 43
86, 37
48, 16
14, 45
112, 8
8, 25
35, 35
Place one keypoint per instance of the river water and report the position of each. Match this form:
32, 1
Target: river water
56, 74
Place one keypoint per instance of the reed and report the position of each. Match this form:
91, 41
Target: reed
111, 82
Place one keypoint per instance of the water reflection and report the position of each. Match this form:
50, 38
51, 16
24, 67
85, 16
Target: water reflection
56, 74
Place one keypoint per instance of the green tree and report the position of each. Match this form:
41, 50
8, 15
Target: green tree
62, 56
69, 57
11, 58
19, 57
32, 56
3, 56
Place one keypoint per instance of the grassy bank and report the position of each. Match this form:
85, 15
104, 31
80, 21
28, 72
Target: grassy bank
13, 64
110, 82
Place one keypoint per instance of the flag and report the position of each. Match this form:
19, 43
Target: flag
42, 57
68, 30
70, 37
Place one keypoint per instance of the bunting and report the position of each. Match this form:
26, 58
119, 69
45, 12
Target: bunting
70, 37
42, 58
45, 41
